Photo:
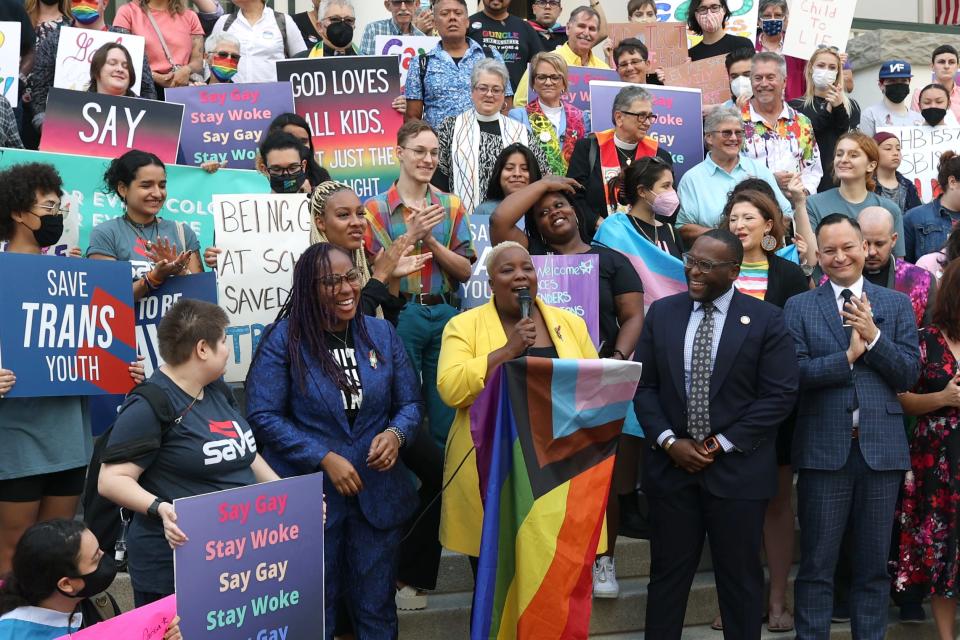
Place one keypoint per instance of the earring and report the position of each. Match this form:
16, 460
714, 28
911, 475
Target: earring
768, 243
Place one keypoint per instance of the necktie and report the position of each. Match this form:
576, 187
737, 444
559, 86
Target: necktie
846, 294
701, 367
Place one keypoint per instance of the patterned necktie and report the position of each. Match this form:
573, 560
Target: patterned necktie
846, 294
701, 367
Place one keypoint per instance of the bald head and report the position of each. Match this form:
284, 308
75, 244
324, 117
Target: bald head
878, 229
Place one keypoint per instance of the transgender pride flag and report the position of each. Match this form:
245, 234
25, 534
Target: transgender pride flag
662, 274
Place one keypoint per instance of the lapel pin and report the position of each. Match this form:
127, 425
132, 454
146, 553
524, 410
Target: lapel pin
373, 359
557, 329
744, 319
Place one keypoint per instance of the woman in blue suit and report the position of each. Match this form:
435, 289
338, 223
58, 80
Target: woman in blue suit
331, 390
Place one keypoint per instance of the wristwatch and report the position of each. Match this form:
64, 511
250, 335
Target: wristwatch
153, 510
669, 442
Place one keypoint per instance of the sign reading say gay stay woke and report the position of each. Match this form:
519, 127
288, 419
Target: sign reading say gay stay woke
253, 564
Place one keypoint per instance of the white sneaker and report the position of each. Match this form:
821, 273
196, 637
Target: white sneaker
605, 578
409, 599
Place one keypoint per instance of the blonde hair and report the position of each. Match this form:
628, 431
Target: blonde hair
556, 61
837, 82
176, 6
32, 7
500, 248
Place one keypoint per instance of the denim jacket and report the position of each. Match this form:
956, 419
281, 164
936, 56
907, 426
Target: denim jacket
925, 229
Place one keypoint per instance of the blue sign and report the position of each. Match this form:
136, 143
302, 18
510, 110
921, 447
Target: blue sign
66, 325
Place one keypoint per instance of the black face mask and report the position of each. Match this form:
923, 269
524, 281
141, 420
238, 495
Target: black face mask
51, 228
340, 34
50, 3
896, 93
933, 115
288, 184
97, 580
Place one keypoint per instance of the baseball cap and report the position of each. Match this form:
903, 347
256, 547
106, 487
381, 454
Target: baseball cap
895, 69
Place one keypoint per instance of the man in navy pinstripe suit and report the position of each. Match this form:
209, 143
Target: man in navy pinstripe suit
857, 349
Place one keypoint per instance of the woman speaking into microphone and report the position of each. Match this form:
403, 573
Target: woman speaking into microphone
512, 324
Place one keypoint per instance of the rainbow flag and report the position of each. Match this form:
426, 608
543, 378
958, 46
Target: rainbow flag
661, 274
546, 434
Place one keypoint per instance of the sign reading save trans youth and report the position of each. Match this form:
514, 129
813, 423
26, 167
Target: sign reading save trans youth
66, 325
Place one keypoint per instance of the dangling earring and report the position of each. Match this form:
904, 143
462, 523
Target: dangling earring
768, 243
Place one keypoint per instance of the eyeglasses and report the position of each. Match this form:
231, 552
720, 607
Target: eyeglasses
705, 266
51, 208
549, 3
285, 171
226, 54
640, 115
548, 77
333, 281
399, 3
419, 153
337, 20
484, 89
714, 8
729, 133
626, 64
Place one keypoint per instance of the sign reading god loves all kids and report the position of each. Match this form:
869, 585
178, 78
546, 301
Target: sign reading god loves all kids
262, 238
148, 622
66, 325
108, 126
253, 564
10, 61
226, 122
348, 104
679, 125
407, 48
75, 50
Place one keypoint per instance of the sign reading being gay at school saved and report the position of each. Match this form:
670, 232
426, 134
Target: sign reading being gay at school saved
252, 566
66, 325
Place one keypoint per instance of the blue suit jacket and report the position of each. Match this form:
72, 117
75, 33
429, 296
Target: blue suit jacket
821, 439
297, 422
752, 390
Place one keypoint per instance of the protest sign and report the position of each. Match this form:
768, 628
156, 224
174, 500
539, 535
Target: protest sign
679, 125
817, 22
190, 191
578, 84
742, 20
226, 122
567, 282
666, 41
407, 48
708, 75
66, 325
262, 237
108, 126
148, 622
10, 61
253, 566
75, 50
348, 103
921, 148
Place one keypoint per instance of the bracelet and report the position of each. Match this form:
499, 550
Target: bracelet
620, 353
150, 286
400, 437
153, 284
669, 443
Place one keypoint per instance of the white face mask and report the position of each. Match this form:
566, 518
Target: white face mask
823, 78
741, 87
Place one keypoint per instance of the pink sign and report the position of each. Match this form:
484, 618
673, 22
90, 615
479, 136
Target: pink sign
149, 622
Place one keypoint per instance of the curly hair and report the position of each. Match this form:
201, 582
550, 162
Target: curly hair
18, 191
123, 170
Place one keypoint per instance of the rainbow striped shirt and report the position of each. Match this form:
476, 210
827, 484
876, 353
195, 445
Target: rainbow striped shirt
753, 279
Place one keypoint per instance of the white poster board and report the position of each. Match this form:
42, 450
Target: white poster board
921, 148
407, 48
76, 49
817, 22
742, 20
262, 237
10, 61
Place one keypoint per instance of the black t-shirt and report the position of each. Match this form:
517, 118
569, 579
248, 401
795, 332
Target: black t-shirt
516, 41
721, 47
310, 35
346, 359
617, 277
13, 11
664, 236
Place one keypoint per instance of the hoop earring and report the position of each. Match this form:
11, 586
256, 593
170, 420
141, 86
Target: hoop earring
768, 243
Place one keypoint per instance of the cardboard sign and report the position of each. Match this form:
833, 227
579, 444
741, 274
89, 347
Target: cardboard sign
262, 238
10, 61
348, 103
708, 75
921, 148
666, 41
66, 325
679, 125
76, 47
817, 22
407, 48
226, 122
108, 126
148, 622
253, 564
571, 283
189, 200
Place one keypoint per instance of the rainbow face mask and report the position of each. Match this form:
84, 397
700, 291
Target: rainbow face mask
224, 67
85, 11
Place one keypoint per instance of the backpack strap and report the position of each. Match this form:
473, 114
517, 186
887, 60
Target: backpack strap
103, 606
159, 402
487, 51
230, 20
282, 28
423, 61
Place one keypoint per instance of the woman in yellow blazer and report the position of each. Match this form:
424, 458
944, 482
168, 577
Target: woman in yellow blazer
474, 344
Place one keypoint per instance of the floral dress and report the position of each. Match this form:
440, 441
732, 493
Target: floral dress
928, 513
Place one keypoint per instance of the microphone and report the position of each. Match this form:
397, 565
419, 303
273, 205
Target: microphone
523, 297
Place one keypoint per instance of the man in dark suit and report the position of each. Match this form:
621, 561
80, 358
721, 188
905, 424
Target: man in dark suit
719, 375
857, 347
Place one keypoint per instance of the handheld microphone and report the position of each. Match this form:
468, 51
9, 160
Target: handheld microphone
523, 297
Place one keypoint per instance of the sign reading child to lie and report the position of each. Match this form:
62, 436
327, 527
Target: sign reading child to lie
252, 565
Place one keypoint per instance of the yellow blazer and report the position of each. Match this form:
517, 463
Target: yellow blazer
461, 375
